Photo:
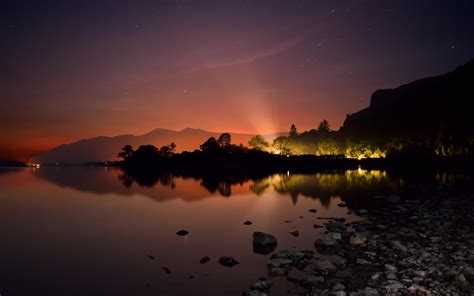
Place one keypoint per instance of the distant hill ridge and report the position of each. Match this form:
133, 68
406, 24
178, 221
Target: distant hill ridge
426, 107
420, 108
105, 148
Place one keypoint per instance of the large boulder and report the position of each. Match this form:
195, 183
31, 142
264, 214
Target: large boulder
263, 239
264, 243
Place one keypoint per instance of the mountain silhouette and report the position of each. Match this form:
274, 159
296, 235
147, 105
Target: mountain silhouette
103, 148
424, 107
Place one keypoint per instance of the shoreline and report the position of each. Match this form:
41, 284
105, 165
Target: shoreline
421, 244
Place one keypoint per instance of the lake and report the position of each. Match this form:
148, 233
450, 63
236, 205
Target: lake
89, 231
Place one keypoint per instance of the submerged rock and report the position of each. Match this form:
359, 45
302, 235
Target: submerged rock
279, 262
295, 233
326, 240
263, 239
166, 269
228, 261
262, 285
335, 226
204, 260
182, 232
312, 210
248, 222
278, 271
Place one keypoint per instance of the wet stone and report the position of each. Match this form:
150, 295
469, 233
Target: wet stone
182, 232
228, 261
204, 260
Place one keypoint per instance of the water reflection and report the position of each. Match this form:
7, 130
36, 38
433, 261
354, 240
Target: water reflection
163, 186
95, 228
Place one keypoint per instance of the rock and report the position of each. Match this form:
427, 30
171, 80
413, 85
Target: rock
396, 244
390, 276
334, 226
417, 289
370, 292
326, 240
151, 257
295, 233
204, 260
312, 210
277, 271
463, 283
313, 280
390, 267
228, 261
317, 226
360, 261
263, 239
279, 262
357, 239
338, 287
256, 293
393, 286
421, 273
262, 285
264, 243
375, 276
182, 232
342, 205
264, 250
362, 212
248, 222
393, 198
166, 269
325, 267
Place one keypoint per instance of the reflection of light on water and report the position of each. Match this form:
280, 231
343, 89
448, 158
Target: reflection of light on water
321, 184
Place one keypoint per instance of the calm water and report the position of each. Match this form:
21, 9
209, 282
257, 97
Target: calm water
88, 231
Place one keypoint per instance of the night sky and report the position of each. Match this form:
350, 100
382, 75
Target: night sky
78, 69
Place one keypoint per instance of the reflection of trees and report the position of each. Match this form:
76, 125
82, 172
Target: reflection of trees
146, 179
324, 186
214, 183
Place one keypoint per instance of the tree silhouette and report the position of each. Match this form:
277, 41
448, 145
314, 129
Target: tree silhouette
258, 143
282, 145
211, 145
126, 152
293, 131
172, 147
165, 151
224, 140
324, 126
146, 152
